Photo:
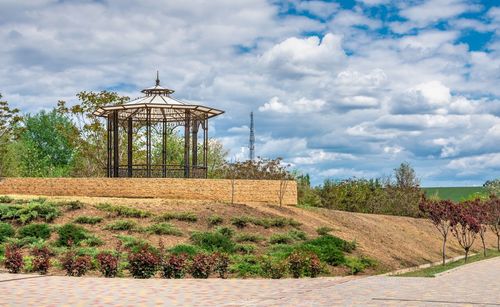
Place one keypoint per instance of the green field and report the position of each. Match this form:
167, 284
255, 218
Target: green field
453, 193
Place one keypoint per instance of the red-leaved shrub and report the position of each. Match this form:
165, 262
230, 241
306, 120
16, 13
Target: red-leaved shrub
41, 259
144, 262
76, 265
201, 266
13, 258
221, 264
108, 264
301, 263
174, 266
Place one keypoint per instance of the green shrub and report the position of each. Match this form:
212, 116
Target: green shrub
179, 216
280, 251
163, 229
6, 200
91, 220
248, 237
28, 212
225, 231
70, 234
215, 220
71, 205
6, 231
357, 265
123, 211
21, 242
187, 249
213, 241
41, 231
131, 242
122, 225
279, 222
297, 235
245, 266
328, 248
302, 263
244, 248
239, 221
281, 238
334, 241
323, 231
92, 241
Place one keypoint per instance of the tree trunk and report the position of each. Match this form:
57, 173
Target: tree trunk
498, 243
444, 250
466, 254
484, 244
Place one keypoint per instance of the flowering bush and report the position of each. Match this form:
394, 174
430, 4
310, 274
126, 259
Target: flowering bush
201, 266
174, 266
220, 264
108, 264
301, 263
41, 259
76, 265
144, 262
13, 258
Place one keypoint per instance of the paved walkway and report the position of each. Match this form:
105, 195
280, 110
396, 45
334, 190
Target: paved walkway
476, 284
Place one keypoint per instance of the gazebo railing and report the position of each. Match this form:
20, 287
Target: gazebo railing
161, 171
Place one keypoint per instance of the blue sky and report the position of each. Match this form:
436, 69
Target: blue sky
338, 88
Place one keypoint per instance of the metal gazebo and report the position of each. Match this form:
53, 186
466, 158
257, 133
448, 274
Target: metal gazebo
157, 107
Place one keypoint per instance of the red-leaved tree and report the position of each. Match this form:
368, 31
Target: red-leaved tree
440, 213
493, 205
464, 225
480, 211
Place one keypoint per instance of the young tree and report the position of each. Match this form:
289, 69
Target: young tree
406, 176
481, 213
464, 226
493, 207
9, 120
440, 213
493, 187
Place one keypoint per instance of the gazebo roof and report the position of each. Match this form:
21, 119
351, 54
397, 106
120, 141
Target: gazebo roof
163, 107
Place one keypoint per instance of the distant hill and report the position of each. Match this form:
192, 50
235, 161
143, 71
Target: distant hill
453, 193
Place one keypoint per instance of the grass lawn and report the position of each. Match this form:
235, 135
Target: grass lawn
453, 193
432, 271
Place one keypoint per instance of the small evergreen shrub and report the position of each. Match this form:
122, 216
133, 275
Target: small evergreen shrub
244, 248
26, 213
357, 265
323, 231
70, 234
41, 231
225, 231
281, 238
6, 231
240, 221
248, 237
108, 264
144, 262
71, 205
91, 220
174, 266
41, 259
76, 265
131, 242
220, 264
123, 211
329, 248
245, 266
215, 220
91, 241
297, 235
179, 216
163, 229
6, 200
122, 225
201, 266
213, 241
184, 249
13, 259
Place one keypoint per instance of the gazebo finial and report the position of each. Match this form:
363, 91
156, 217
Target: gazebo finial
157, 78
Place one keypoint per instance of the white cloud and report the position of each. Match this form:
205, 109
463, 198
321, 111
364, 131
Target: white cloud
303, 105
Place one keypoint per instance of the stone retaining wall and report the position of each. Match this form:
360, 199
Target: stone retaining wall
257, 191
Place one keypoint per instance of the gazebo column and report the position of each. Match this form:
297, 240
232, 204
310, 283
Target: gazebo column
187, 126
195, 143
129, 146
116, 154
109, 168
148, 142
164, 150
205, 146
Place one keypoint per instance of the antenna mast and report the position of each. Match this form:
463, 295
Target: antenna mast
252, 138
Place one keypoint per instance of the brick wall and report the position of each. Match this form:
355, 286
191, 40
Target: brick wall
258, 191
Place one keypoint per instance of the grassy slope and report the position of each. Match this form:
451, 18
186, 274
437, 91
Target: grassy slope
432, 271
453, 193
395, 242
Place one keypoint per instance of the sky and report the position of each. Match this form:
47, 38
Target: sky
339, 89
